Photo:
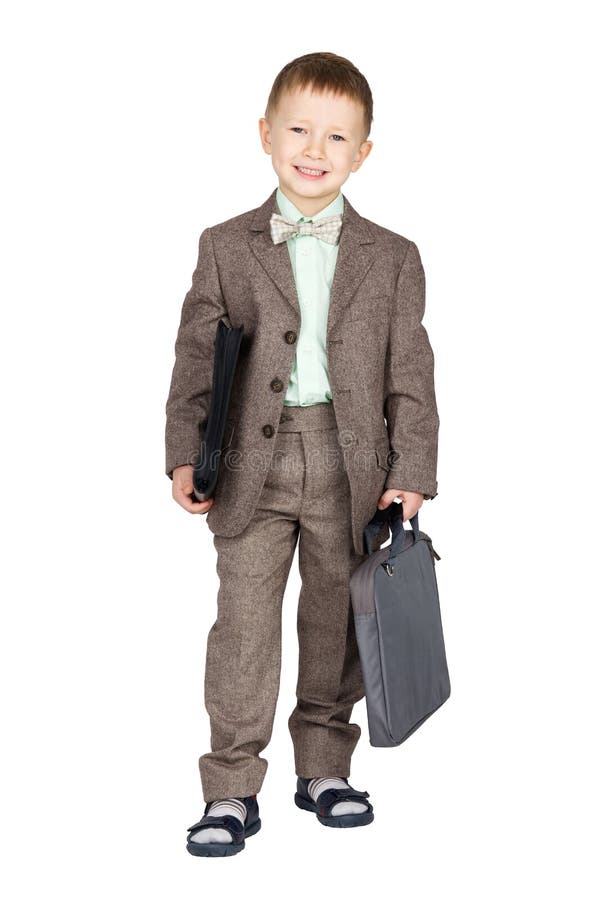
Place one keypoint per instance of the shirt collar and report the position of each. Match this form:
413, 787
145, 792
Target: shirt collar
290, 211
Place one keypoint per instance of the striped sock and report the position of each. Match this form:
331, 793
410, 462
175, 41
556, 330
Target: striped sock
317, 785
230, 807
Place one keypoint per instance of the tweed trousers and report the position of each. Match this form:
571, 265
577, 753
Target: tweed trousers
305, 500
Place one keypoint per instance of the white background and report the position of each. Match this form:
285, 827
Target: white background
128, 128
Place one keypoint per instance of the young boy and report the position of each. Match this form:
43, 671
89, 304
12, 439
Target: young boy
332, 414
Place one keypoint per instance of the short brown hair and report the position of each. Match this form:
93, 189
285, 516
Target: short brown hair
324, 72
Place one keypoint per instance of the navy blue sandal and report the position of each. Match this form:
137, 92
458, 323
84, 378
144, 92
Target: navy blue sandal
328, 798
238, 831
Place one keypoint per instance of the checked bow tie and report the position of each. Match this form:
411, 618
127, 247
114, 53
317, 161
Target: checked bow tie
327, 229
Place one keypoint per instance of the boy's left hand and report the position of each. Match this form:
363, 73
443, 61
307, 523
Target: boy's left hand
411, 502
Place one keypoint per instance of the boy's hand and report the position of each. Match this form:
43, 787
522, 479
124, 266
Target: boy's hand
183, 490
411, 502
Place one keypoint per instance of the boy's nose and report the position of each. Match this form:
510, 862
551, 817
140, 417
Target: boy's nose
316, 153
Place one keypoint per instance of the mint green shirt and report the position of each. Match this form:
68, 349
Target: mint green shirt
313, 264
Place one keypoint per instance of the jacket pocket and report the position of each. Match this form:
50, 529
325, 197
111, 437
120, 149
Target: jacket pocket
382, 454
367, 308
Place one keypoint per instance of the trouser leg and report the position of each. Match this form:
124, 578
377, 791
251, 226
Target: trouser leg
243, 656
329, 674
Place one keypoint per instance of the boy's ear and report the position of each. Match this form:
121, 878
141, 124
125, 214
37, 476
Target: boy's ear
264, 131
366, 148
363, 152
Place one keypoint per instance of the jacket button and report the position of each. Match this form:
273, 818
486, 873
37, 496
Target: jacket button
290, 337
277, 385
268, 430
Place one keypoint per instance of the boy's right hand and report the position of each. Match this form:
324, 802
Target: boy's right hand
183, 490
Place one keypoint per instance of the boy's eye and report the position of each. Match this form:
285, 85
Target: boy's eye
299, 128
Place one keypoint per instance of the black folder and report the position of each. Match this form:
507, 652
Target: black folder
206, 469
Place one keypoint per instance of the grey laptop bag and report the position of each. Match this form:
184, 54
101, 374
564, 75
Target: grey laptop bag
398, 628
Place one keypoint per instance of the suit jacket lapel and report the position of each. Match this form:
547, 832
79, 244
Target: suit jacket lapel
355, 257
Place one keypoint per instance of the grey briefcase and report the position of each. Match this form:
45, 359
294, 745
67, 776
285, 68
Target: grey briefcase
398, 626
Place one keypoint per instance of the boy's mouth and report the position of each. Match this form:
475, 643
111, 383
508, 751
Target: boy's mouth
310, 173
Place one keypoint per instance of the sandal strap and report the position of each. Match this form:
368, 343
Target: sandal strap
328, 798
231, 823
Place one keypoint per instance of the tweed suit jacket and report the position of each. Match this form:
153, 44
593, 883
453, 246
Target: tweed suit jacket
380, 362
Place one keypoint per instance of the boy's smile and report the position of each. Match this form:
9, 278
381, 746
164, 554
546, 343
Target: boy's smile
310, 173
315, 141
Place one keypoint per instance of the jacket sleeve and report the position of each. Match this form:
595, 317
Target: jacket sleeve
410, 403
191, 382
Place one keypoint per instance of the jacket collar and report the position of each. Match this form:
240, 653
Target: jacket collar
355, 257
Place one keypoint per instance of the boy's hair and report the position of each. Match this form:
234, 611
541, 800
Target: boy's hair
324, 72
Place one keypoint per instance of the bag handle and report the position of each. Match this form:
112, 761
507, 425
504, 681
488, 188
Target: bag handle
392, 514
398, 531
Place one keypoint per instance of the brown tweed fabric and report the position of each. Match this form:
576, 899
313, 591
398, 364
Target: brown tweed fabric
305, 500
381, 366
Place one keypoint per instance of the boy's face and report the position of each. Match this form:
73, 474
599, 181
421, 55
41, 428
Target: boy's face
316, 131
